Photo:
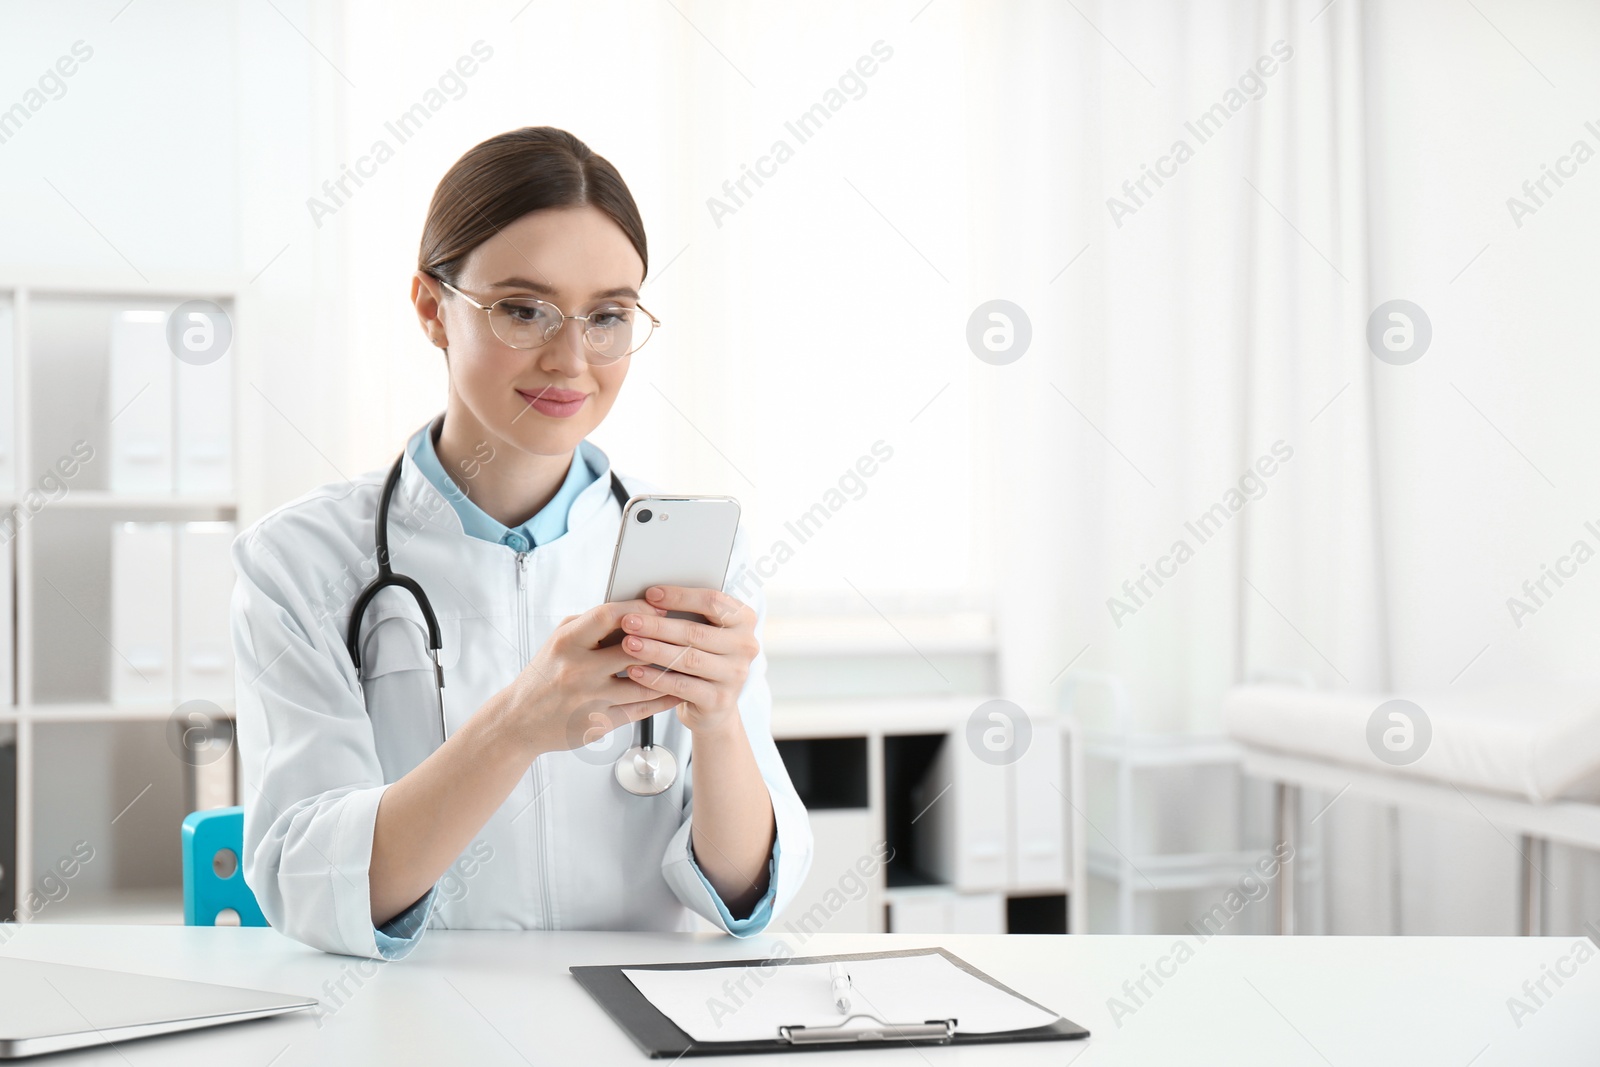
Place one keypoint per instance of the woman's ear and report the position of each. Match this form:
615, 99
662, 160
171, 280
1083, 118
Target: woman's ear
425, 298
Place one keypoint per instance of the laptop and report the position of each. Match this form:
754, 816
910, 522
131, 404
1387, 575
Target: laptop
48, 1007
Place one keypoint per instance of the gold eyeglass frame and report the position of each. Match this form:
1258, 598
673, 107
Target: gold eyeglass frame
589, 348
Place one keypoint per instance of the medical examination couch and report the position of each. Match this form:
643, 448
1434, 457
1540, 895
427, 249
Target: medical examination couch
1525, 757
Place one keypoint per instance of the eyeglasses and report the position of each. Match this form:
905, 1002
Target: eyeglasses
610, 331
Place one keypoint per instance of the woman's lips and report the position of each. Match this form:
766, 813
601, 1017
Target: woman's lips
556, 403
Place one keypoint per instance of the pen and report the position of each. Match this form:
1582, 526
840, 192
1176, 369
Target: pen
841, 987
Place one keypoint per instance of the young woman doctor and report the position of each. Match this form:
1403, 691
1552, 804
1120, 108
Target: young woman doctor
363, 827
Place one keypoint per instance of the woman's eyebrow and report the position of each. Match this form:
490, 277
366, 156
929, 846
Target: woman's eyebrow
550, 290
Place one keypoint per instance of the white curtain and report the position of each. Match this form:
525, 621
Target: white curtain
1198, 398
1221, 326
1227, 313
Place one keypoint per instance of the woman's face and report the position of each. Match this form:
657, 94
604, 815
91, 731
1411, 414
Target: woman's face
574, 257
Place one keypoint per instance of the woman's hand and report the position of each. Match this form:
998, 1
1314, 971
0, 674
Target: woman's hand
569, 694
706, 662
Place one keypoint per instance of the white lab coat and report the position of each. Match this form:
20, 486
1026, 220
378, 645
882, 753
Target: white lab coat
569, 849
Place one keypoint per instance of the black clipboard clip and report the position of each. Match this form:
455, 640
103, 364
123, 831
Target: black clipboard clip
937, 1031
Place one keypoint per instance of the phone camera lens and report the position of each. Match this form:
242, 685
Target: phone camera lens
644, 514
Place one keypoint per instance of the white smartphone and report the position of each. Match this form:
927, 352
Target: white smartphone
672, 540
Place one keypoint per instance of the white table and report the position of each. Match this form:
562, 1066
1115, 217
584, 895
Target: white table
506, 998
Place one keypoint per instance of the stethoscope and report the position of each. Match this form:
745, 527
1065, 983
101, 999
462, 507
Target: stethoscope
644, 770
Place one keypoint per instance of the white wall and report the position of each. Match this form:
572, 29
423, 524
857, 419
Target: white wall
798, 330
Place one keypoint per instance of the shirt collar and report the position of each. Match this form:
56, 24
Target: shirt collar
548, 524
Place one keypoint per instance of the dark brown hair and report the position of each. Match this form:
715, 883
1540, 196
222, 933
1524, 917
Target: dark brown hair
504, 178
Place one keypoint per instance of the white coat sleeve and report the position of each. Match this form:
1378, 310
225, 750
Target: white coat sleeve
790, 859
311, 779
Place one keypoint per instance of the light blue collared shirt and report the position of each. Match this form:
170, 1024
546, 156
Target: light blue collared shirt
549, 523
395, 936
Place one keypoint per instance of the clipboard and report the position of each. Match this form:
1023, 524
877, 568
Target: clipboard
659, 1037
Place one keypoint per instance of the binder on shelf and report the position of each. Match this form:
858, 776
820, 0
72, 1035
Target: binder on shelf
659, 1036
142, 660
8, 404
961, 838
140, 403
205, 654
205, 586
8, 823
204, 432
8, 619
1039, 828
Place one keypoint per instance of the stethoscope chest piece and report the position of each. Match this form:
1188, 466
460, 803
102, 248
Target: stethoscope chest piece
646, 770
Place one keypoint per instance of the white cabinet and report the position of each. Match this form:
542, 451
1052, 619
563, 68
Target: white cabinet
971, 838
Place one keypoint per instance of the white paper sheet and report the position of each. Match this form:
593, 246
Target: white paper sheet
709, 1004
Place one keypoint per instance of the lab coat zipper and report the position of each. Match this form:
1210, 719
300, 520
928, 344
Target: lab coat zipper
522, 603
538, 777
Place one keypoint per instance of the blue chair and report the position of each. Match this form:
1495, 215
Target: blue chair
213, 842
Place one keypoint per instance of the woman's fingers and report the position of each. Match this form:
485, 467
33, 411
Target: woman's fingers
603, 619
620, 694
643, 709
685, 687
614, 660
719, 608
632, 661
624, 704
680, 658
684, 632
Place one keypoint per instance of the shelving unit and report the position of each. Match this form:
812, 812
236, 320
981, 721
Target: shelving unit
855, 761
60, 706
1130, 759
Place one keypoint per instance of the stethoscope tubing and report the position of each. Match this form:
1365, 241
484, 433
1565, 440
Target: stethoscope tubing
644, 770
